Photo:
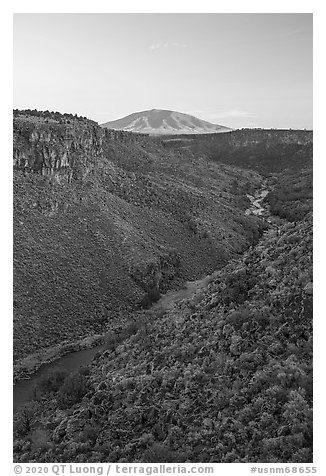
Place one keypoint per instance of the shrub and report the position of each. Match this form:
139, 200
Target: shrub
159, 453
90, 433
237, 318
192, 225
74, 388
84, 370
151, 297
39, 439
24, 419
52, 381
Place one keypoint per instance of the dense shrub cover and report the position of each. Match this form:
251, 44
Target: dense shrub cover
224, 376
73, 389
292, 196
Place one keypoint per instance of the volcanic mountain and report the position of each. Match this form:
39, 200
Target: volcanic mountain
159, 122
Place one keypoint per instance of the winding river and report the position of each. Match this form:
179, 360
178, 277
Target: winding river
23, 389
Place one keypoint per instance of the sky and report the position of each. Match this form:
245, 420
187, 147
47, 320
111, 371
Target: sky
238, 70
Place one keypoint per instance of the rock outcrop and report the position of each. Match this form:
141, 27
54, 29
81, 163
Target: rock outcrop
67, 151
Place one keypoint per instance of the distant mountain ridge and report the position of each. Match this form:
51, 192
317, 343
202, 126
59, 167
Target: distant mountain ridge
164, 122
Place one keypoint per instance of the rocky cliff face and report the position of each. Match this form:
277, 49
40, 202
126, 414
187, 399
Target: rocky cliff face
71, 149
270, 137
245, 137
267, 151
49, 148
66, 148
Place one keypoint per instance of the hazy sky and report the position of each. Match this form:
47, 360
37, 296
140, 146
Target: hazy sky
239, 70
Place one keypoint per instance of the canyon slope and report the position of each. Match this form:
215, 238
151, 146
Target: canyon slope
106, 221
162, 122
224, 376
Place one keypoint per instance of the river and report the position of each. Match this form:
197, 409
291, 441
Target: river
24, 388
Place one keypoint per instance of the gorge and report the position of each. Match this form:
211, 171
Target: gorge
191, 257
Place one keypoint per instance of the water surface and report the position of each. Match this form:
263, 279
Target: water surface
23, 389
